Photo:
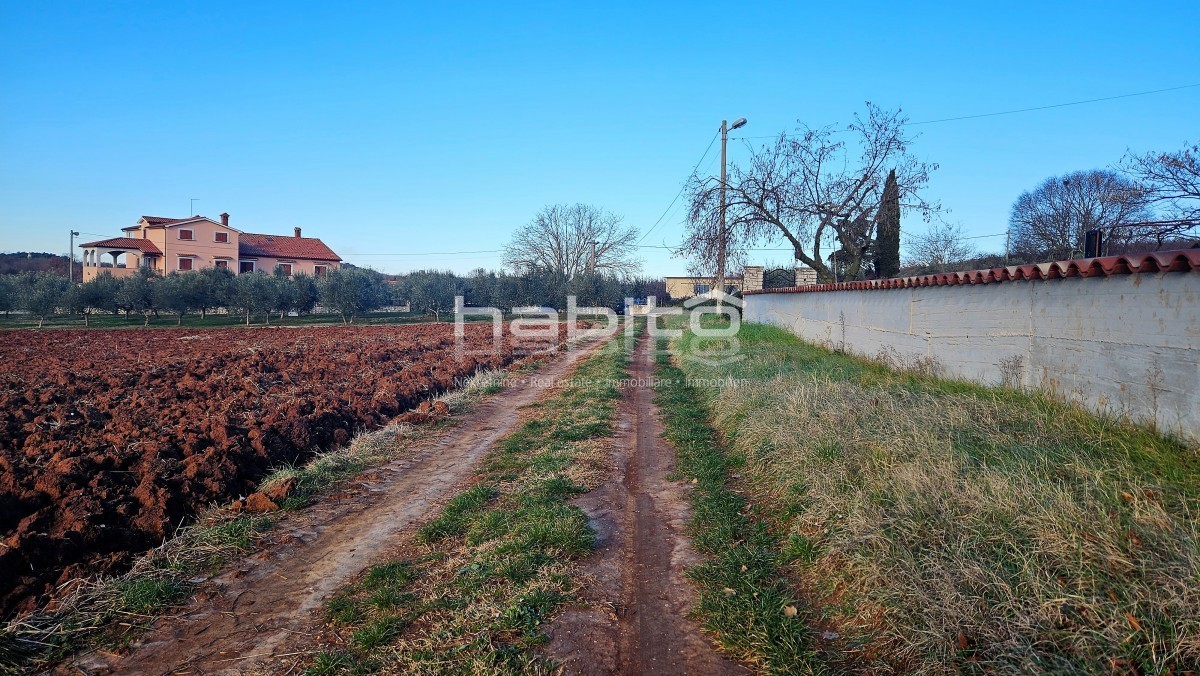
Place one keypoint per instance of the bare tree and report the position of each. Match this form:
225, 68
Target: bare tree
572, 240
702, 243
942, 248
1049, 221
815, 191
1170, 180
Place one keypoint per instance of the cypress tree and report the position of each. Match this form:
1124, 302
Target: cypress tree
887, 230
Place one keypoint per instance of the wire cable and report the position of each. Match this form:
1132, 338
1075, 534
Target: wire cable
434, 253
1054, 105
681, 189
1023, 110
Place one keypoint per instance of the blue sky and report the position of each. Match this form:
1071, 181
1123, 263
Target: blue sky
393, 129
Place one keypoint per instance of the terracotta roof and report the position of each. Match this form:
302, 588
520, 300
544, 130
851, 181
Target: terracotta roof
1183, 260
143, 245
160, 220
280, 246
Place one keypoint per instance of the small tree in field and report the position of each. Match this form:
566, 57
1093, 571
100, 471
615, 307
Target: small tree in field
101, 293
8, 296
137, 294
180, 293
253, 293
285, 293
215, 285
350, 292
73, 302
305, 294
41, 293
433, 291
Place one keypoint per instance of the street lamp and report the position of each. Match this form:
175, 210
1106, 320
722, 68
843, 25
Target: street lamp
723, 235
71, 258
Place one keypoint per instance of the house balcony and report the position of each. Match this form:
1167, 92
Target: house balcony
94, 270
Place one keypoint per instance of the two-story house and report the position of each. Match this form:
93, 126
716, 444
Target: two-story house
167, 245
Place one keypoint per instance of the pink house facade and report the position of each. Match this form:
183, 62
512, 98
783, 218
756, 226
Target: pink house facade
167, 245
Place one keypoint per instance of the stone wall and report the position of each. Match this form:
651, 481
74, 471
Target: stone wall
752, 278
1127, 344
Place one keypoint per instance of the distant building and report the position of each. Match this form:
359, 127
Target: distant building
689, 287
751, 279
167, 245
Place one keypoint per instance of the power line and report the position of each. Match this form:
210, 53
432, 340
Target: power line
681, 189
1022, 110
658, 246
1055, 105
434, 253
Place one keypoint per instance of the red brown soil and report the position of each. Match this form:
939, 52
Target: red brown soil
110, 439
256, 615
637, 622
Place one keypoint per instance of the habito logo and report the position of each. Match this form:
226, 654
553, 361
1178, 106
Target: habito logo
712, 340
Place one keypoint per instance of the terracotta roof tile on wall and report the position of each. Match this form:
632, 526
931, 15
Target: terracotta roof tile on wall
143, 245
1183, 260
278, 246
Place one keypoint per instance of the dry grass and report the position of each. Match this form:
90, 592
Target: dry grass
943, 526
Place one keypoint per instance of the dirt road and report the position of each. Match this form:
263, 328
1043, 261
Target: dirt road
641, 558
244, 624
254, 615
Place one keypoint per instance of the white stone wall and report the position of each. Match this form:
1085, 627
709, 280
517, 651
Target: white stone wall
1127, 345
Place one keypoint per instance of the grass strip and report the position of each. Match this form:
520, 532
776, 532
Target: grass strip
940, 525
499, 560
744, 601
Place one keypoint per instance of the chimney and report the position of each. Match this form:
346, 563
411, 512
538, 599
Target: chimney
225, 220
297, 232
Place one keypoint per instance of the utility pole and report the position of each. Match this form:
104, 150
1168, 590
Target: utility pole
192, 206
723, 235
595, 261
71, 259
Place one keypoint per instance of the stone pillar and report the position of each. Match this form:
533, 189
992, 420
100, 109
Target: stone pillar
805, 275
752, 278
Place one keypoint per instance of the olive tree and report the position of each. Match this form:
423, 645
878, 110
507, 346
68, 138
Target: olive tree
180, 293
432, 291
8, 295
351, 292
41, 293
253, 293
136, 294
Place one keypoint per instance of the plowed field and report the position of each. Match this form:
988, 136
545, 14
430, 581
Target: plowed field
108, 439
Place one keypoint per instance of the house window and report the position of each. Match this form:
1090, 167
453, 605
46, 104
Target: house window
221, 264
285, 267
320, 270
245, 266
185, 264
186, 234
221, 238
702, 289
